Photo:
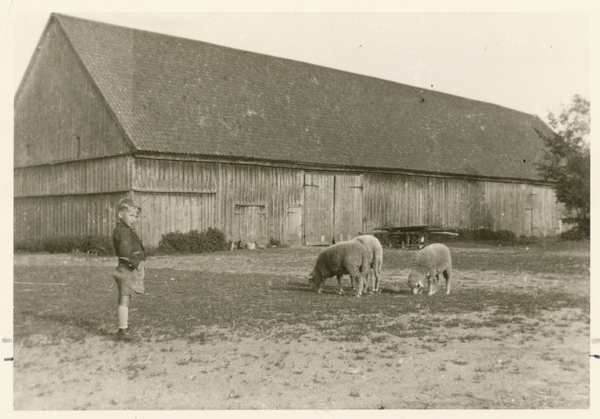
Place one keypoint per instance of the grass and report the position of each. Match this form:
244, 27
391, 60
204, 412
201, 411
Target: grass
539, 258
282, 307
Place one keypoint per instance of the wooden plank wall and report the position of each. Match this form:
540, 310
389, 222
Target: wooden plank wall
71, 198
272, 189
161, 175
506, 205
78, 177
187, 195
169, 212
54, 216
545, 213
79, 198
59, 113
398, 200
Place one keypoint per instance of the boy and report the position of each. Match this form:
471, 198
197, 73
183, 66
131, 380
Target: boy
129, 275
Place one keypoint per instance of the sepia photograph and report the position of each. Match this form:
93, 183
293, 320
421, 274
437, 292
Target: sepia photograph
300, 211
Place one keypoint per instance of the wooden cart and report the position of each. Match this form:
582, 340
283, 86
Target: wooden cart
412, 237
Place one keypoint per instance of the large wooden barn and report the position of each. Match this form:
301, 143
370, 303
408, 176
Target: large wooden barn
260, 147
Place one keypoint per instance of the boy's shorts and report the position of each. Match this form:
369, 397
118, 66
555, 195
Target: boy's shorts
130, 282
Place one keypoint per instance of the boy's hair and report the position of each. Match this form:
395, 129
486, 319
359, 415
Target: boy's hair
128, 203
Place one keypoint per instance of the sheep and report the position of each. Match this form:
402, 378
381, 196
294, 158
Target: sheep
350, 257
428, 263
376, 259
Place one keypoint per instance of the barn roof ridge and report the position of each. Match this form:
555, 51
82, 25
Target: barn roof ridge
204, 98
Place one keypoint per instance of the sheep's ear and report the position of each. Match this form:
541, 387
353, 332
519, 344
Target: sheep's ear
310, 276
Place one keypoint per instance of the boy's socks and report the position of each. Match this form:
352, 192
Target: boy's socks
122, 315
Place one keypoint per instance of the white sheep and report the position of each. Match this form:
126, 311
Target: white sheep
375, 257
428, 263
350, 257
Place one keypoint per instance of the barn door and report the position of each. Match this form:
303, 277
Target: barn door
537, 225
251, 224
293, 226
348, 207
332, 208
318, 209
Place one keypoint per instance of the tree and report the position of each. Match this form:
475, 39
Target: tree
566, 162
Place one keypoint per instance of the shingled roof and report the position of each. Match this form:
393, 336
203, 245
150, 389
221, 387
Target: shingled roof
175, 95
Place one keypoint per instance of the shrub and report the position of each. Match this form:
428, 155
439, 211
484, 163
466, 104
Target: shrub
575, 234
480, 234
277, 243
29, 245
97, 244
100, 245
486, 234
531, 240
62, 244
151, 251
211, 240
173, 242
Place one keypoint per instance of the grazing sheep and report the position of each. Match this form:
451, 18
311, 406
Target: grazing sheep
428, 263
376, 259
349, 257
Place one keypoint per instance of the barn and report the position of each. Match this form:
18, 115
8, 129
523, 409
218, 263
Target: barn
261, 147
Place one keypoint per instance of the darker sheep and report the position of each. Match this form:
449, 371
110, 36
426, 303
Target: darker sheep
350, 257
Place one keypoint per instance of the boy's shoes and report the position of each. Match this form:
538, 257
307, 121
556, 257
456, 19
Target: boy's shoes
128, 335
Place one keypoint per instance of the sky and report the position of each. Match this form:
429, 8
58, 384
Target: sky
532, 62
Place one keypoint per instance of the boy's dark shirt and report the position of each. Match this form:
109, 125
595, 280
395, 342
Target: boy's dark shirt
128, 246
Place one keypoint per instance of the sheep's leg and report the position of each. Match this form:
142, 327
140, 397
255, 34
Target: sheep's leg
447, 276
368, 281
339, 281
357, 275
320, 290
359, 279
373, 280
377, 273
436, 282
430, 280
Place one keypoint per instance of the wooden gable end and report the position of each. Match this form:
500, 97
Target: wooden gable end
60, 114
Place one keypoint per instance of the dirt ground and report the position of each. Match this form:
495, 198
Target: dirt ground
540, 362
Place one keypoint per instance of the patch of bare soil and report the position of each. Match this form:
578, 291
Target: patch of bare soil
499, 369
